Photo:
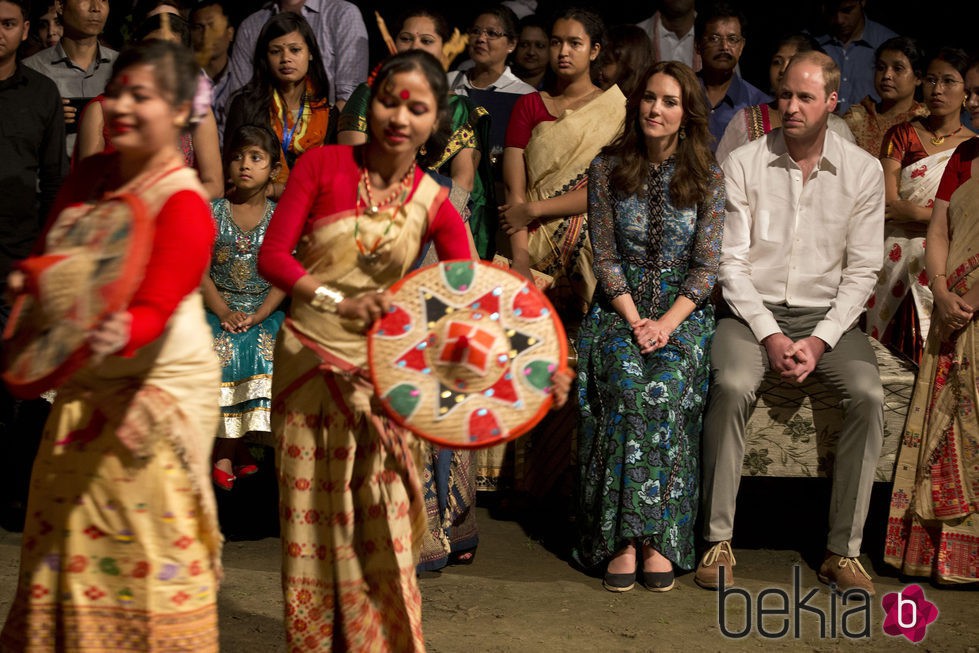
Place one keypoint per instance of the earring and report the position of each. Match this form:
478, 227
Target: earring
422, 151
683, 132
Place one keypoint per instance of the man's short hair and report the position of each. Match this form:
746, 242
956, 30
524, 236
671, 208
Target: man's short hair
224, 5
25, 7
831, 72
718, 11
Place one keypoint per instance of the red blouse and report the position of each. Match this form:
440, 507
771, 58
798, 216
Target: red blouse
182, 241
902, 144
959, 168
528, 112
324, 182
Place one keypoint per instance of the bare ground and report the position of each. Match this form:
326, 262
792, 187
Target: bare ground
521, 594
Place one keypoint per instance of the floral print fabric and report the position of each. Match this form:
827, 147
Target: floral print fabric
641, 414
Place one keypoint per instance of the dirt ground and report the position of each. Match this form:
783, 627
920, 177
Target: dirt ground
521, 594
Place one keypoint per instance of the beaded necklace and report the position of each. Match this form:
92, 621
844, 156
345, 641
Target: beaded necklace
371, 257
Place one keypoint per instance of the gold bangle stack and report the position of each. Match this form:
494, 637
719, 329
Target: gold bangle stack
327, 300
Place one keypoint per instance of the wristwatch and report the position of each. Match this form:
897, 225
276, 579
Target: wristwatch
326, 300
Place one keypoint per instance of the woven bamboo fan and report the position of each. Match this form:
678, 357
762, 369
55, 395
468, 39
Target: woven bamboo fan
465, 356
93, 262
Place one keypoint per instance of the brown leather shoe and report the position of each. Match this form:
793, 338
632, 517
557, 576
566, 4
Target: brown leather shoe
718, 559
844, 574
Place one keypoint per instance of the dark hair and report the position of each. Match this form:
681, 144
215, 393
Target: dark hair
592, 22
531, 20
718, 11
176, 24
174, 68
909, 48
954, 57
694, 160
257, 136
629, 47
144, 7
507, 19
441, 24
257, 93
801, 41
223, 5
25, 7
431, 68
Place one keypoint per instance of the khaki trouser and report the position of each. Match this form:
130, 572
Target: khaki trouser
738, 363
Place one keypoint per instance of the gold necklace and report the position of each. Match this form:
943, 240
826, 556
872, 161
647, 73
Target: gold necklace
370, 257
938, 140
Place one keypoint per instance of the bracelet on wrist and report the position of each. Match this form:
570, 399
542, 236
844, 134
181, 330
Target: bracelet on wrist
931, 282
326, 300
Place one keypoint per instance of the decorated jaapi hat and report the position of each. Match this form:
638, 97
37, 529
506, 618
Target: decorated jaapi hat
465, 356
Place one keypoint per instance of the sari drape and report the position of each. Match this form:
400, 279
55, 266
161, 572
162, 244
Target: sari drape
933, 526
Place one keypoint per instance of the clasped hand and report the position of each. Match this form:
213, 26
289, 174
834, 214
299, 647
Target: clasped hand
650, 335
239, 321
514, 217
794, 360
951, 312
110, 335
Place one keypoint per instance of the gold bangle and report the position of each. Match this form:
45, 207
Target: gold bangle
326, 300
931, 282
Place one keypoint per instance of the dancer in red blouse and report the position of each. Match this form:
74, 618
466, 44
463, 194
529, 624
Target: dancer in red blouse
351, 509
121, 549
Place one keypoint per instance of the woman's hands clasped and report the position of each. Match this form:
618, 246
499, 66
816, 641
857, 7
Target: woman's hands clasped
650, 335
951, 312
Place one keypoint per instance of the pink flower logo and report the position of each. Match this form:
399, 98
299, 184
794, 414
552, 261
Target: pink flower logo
908, 613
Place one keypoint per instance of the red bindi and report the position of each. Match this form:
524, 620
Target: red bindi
405, 94
125, 80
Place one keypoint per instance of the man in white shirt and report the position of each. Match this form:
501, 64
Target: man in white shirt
803, 241
671, 33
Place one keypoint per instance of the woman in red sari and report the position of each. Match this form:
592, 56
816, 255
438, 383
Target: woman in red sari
351, 509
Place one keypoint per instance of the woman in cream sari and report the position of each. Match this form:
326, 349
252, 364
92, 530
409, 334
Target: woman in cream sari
551, 140
933, 528
913, 156
351, 512
121, 550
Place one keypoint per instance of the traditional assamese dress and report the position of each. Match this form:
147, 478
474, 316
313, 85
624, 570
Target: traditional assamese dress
869, 127
448, 478
246, 357
121, 550
470, 131
904, 243
933, 527
351, 509
639, 433
557, 153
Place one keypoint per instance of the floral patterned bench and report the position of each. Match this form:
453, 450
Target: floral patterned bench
793, 429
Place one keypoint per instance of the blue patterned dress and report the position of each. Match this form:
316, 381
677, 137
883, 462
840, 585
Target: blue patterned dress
639, 442
246, 358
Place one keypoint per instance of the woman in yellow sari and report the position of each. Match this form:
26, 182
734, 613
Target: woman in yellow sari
351, 511
121, 549
933, 528
551, 140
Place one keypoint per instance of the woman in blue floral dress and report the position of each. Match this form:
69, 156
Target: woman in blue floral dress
242, 307
655, 207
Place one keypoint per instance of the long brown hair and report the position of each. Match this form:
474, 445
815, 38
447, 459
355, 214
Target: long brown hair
693, 156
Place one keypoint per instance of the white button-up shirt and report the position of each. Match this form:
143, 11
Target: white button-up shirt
818, 244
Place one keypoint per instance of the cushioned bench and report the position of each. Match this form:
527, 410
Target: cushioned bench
793, 429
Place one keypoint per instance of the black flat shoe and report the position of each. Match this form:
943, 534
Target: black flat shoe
619, 582
658, 581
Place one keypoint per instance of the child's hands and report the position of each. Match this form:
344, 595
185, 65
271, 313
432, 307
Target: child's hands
232, 320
